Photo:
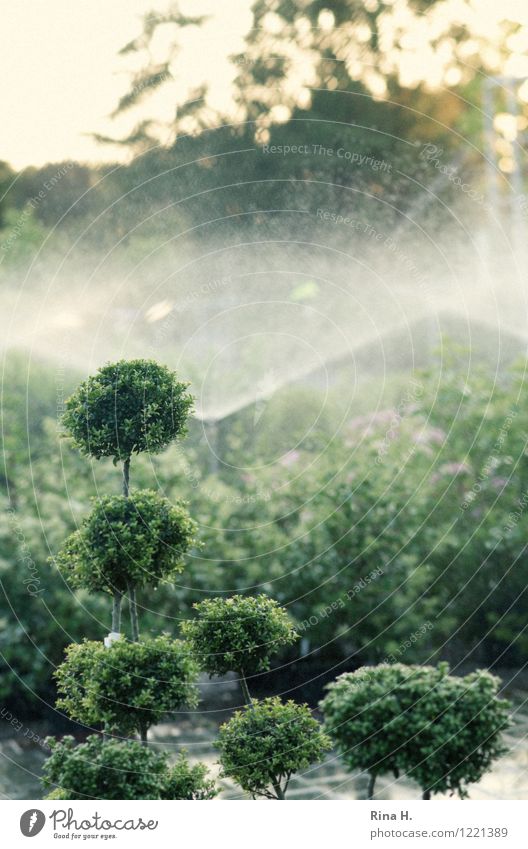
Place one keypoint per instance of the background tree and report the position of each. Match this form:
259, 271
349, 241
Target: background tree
296, 57
6, 177
26, 390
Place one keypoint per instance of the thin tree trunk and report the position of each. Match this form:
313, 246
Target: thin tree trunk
279, 792
116, 611
426, 795
134, 625
371, 783
126, 477
245, 689
143, 734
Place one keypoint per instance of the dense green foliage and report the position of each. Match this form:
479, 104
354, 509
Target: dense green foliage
126, 408
129, 686
238, 634
103, 770
116, 770
139, 539
186, 781
443, 731
263, 745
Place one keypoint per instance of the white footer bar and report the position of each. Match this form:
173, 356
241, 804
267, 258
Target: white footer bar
266, 825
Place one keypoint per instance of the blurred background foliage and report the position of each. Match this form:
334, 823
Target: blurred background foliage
338, 74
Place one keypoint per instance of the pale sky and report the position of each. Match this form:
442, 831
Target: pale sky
61, 76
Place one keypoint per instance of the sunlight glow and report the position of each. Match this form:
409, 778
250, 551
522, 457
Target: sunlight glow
72, 77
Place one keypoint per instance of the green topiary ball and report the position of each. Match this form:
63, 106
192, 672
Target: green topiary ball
129, 686
127, 407
140, 539
238, 634
103, 770
262, 746
116, 769
186, 781
443, 731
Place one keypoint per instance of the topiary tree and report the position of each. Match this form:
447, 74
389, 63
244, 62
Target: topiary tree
129, 686
263, 745
357, 709
126, 408
126, 543
460, 736
442, 730
99, 769
184, 781
238, 634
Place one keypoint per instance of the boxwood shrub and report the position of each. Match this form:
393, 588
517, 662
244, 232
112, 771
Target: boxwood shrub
129, 686
127, 407
134, 540
442, 730
264, 744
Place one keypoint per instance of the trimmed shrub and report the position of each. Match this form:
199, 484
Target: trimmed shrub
264, 744
129, 686
443, 731
103, 770
186, 781
238, 634
137, 540
112, 769
127, 407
